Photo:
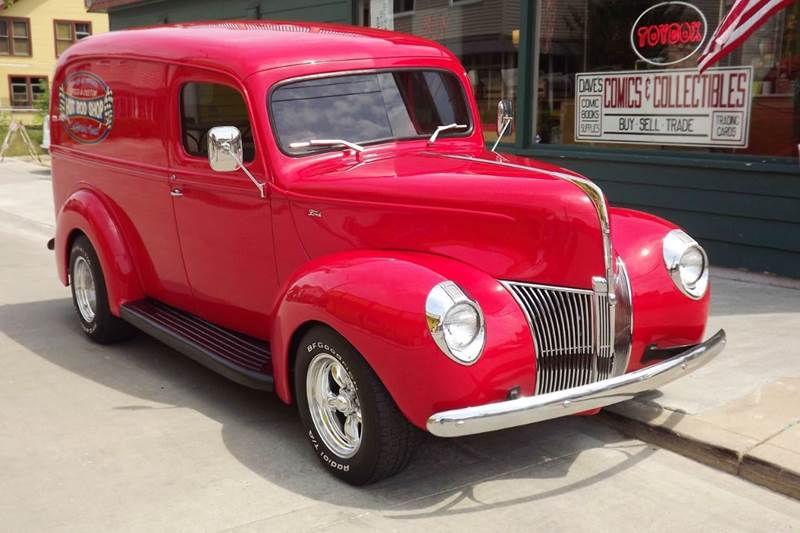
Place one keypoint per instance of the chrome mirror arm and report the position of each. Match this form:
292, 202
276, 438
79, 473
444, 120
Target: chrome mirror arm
506, 124
259, 185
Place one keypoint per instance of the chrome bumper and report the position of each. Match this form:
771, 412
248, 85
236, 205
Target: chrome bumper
522, 411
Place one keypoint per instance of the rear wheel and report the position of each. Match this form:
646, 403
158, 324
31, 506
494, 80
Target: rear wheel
90, 297
354, 426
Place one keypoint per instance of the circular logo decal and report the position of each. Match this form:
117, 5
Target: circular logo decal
86, 107
668, 33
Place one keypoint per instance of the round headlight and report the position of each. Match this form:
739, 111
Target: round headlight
461, 324
455, 323
692, 266
687, 264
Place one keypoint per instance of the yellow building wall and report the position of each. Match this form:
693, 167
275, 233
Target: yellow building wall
42, 61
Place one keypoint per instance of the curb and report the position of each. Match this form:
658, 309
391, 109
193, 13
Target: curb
703, 443
758, 278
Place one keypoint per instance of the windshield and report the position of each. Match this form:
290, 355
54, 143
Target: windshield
370, 107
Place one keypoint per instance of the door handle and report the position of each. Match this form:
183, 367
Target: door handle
176, 192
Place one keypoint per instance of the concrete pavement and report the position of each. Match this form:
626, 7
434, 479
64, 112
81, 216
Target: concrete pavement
138, 437
741, 412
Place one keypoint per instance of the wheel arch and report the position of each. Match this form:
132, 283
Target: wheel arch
375, 300
294, 344
86, 213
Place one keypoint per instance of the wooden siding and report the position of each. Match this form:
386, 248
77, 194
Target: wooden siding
340, 11
42, 61
746, 217
438, 20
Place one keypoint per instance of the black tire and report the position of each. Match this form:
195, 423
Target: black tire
387, 438
104, 328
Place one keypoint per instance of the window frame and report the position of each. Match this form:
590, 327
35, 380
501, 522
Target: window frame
11, 39
181, 140
29, 89
465, 134
459, 3
72, 24
408, 13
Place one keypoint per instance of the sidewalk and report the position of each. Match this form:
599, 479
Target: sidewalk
26, 195
741, 412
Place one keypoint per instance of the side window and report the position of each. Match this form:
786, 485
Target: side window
207, 105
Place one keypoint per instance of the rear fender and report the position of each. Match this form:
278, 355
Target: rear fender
85, 211
376, 300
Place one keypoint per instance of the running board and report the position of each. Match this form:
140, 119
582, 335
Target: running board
240, 358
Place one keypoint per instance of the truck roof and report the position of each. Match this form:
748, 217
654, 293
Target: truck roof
247, 46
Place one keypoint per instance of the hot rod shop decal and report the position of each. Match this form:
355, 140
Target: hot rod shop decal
86, 107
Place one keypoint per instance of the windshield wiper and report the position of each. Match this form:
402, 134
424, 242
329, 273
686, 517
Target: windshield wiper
327, 142
440, 129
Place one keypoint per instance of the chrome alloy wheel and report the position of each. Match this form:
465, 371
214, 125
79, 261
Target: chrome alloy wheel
334, 405
84, 287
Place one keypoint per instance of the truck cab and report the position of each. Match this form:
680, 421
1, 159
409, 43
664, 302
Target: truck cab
312, 209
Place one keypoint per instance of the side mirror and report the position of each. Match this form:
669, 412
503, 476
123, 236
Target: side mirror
505, 120
505, 117
224, 148
225, 153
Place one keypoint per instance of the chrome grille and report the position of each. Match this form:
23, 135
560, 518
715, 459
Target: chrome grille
573, 330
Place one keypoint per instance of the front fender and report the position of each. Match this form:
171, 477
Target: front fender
376, 300
86, 212
662, 315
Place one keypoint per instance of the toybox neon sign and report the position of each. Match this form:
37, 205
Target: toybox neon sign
668, 33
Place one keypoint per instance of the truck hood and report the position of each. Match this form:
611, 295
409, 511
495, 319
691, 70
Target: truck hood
514, 219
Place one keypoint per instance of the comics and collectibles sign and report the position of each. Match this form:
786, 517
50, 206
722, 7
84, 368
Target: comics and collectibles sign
675, 107
86, 107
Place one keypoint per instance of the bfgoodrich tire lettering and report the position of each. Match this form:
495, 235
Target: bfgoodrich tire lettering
386, 438
94, 315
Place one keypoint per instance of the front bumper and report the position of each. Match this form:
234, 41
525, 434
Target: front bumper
522, 411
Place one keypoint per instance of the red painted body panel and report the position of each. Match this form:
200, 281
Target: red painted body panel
225, 228
395, 222
445, 206
377, 300
86, 211
662, 315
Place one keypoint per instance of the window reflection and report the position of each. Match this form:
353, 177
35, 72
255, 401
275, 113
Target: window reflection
483, 34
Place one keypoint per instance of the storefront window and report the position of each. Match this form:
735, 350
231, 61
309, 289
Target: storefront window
623, 73
483, 34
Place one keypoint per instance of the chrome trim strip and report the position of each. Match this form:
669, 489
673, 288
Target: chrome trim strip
548, 287
527, 410
674, 245
441, 299
591, 190
536, 348
621, 361
572, 331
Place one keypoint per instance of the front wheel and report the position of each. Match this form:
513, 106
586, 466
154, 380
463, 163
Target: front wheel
353, 424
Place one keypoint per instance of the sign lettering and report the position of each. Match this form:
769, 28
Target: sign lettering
677, 107
668, 33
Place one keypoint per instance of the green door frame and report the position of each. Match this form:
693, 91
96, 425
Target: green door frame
526, 65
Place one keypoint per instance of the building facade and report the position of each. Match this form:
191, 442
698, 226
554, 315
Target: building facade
610, 88
33, 33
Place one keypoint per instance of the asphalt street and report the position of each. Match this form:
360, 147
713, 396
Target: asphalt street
136, 437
